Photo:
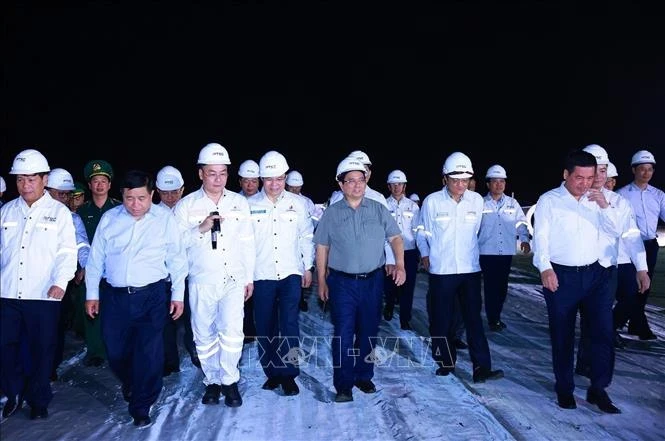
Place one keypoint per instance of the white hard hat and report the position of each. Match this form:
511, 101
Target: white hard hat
599, 153
397, 177
414, 197
612, 171
496, 172
349, 164
642, 157
169, 179
361, 156
3, 185
294, 179
272, 164
29, 162
60, 179
213, 154
459, 165
249, 169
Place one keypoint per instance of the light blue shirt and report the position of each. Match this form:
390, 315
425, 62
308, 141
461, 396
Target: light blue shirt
503, 220
82, 243
648, 206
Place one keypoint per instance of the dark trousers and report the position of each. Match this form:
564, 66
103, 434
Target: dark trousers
404, 292
248, 326
28, 339
171, 354
496, 270
626, 295
443, 290
132, 327
355, 313
590, 288
278, 331
638, 323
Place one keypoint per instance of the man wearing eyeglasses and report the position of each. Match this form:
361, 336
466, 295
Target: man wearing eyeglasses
350, 254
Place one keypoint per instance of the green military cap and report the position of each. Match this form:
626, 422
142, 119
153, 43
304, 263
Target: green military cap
79, 188
98, 167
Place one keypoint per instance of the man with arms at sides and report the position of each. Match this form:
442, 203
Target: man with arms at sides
37, 260
219, 239
569, 221
349, 257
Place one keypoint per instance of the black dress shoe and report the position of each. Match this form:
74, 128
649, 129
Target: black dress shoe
388, 313
647, 335
405, 326
444, 371
232, 396
126, 392
365, 386
482, 374
38, 413
272, 383
459, 344
212, 393
496, 326
566, 401
142, 421
344, 396
12, 405
602, 400
289, 386
93, 361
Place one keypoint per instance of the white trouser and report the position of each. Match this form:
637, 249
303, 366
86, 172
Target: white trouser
217, 318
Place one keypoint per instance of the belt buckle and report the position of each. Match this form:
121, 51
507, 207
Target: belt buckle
131, 290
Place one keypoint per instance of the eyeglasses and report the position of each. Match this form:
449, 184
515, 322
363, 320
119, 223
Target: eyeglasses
278, 179
355, 181
215, 175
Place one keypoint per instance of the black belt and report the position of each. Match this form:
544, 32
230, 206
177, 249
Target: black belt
356, 276
132, 289
576, 269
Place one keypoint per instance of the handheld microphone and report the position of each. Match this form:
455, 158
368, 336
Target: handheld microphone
216, 227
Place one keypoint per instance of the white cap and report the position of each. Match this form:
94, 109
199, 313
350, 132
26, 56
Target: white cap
272, 164
642, 157
414, 197
349, 164
361, 156
599, 153
169, 179
249, 169
294, 179
612, 171
496, 172
3, 185
397, 177
213, 154
29, 162
459, 165
60, 179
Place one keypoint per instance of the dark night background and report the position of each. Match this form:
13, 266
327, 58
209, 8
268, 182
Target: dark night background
517, 84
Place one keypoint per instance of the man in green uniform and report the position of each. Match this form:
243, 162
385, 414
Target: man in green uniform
99, 175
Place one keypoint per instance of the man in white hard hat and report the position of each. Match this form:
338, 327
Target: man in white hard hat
407, 214
284, 265
349, 258
415, 198
137, 247
448, 244
3, 189
170, 187
60, 187
503, 219
219, 239
612, 175
572, 222
649, 206
38, 259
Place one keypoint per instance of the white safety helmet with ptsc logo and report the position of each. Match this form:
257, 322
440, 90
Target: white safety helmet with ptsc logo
60, 179
361, 156
249, 169
169, 179
612, 171
29, 162
349, 164
397, 177
459, 165
294, 179
213, 154
496, 172
414, 197
642, 157
599, 153
272, 164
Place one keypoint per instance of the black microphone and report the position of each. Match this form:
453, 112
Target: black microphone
216, 227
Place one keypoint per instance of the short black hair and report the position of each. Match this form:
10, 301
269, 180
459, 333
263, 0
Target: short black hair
579, 158
138, 179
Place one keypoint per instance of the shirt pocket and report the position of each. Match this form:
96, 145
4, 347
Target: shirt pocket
470, 217
288, 216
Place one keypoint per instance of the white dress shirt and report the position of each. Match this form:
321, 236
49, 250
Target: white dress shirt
407, 215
